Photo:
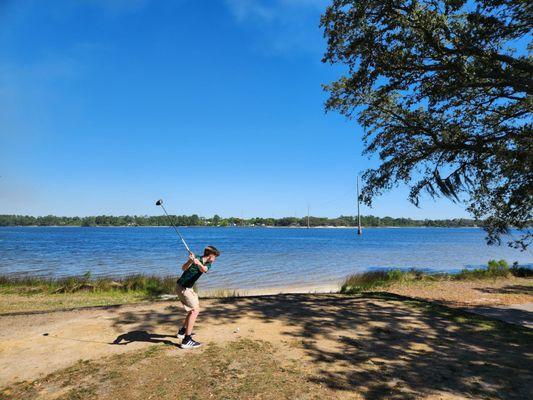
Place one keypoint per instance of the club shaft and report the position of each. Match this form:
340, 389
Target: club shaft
176, 229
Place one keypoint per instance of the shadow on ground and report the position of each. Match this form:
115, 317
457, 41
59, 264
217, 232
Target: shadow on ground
143, 336
508, 289
384, 346
510, 314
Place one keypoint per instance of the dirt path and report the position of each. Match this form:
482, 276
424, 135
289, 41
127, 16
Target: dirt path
26, 353
378, 346
509, 299
470, 293
519, 314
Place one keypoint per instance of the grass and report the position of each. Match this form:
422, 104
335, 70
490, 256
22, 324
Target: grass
150, 285
30, 294
223, 293
372, 280
25, 294
242, 369
11, 303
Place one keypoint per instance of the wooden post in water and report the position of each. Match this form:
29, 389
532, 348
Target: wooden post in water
359, 229
307, 216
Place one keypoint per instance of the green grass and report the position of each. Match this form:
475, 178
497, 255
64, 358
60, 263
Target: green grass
495, 269
368, 281
149, 285
29, 294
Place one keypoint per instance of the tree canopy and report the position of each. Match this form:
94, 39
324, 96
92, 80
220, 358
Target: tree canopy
443, 91
195, 220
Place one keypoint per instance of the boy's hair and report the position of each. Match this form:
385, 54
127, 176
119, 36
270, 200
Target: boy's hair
211, 250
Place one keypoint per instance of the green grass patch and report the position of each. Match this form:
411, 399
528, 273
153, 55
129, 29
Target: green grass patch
495, 269
372, 280
29, 294
149, 285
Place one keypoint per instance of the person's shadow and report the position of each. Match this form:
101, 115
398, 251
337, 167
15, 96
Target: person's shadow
142, 336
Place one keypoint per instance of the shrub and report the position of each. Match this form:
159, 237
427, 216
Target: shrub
521, 272
357, 283
495, 269
498, 268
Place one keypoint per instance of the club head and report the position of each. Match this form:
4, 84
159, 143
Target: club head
159, 202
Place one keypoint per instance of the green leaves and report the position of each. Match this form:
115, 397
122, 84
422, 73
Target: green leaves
444, 98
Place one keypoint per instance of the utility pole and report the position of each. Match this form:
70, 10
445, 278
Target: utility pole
359, 229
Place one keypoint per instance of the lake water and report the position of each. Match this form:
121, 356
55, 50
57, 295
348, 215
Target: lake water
252, 257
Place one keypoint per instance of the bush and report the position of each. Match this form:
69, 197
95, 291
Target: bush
495, 269
360, 282
521, 272
498, 268
365, 281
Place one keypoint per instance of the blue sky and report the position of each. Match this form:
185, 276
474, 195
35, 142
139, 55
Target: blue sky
107, 105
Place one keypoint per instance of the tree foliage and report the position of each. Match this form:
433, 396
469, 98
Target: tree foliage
195, 220
444, 98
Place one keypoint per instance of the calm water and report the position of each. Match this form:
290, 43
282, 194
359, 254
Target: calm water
252, 257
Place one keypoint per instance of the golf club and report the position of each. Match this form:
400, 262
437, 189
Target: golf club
160, 203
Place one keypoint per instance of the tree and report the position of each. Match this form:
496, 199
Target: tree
444, 99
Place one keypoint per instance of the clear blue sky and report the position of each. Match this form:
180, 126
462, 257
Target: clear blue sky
107, 105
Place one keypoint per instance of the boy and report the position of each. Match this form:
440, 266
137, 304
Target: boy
192, 270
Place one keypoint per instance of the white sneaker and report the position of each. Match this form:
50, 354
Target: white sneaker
181, 334
189, 344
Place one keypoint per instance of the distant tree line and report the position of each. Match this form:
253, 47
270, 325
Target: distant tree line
195, 220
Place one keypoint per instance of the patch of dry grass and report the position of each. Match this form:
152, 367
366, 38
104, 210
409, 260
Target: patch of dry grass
242, 369
372, 280
17, 303
222, 293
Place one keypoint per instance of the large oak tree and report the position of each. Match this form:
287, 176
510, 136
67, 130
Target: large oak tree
444, 98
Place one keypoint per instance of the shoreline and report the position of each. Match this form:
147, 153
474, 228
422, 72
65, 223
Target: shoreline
254, 227
299, 289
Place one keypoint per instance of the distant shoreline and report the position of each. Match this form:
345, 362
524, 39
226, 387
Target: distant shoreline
254, 227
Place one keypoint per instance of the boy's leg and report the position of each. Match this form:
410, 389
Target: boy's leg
193, 305
190, 320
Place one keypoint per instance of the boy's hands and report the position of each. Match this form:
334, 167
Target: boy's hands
194, 259
197, 262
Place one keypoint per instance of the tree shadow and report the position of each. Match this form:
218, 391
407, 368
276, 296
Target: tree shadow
385, 346
507, 314
509, 289
142, 336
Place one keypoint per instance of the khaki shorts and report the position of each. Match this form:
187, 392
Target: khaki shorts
188, 298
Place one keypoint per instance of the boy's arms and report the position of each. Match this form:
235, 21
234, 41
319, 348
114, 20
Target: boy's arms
196, 261
187, 265
193, 260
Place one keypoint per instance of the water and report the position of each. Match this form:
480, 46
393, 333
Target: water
251, 258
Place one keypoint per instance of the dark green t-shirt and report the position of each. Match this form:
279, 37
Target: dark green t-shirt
190, 276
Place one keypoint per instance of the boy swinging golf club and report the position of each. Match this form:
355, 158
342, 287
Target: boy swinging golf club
192, 270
